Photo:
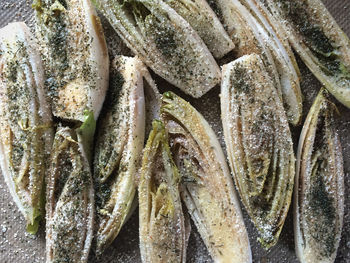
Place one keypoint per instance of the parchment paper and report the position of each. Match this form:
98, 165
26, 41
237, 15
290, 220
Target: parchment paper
16, 246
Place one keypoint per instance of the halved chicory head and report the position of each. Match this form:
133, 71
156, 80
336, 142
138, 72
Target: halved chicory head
163, 235
26, 129
119, 143
259, 144
206, 184
319, 185
75, 57
165, 42
69, 201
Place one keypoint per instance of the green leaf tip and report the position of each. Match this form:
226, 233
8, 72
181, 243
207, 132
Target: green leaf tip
169, 95
32, 227
157, 125
86, 133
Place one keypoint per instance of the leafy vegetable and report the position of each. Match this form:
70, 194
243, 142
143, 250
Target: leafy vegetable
206, 188
259, 144
25, 122
162, 226
319, 188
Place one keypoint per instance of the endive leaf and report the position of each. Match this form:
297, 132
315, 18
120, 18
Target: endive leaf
86, 133
207, 187
200, 16
259, 144
25, 121
319, 187
119, 143
253, 34
317, 38
162, 225
165, 42
70, 201
75, 55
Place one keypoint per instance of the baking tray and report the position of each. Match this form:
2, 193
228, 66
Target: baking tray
16, 246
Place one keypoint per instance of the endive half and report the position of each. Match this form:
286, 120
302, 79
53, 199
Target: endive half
319, 186
203, 19
317, 38
69, 201
162, 224
259, 144
254, 35
207, 187
26, 130
165, 42
75, 56
119, 143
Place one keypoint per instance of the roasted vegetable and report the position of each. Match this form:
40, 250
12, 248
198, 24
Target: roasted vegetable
259, 144
119, 144
202, 19
254, 35
207, 187
165, 42
162, 225
26, 131
75, 56
319, 186
70, 201
317, 38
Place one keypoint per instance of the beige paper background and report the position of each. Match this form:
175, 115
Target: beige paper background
18, 247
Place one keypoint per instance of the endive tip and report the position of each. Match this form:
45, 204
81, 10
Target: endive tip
168, 95
267, 245
33, 225
86, 133
33, 228
157, 125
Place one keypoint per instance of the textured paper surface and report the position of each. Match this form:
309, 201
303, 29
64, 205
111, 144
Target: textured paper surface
16, 246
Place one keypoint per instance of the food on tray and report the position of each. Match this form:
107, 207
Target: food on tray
162, 226
26, 126
206, 184
75, 56
319, 188
165, 42
69, 201
179, 40
259, 144
119, 143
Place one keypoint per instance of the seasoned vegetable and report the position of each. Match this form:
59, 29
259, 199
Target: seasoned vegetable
70, 201
165, 42
75, 56
317, 38
259, 144
119, 144
200, 16
162, 226
25, 122
253, 35
207, 187
319, 188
